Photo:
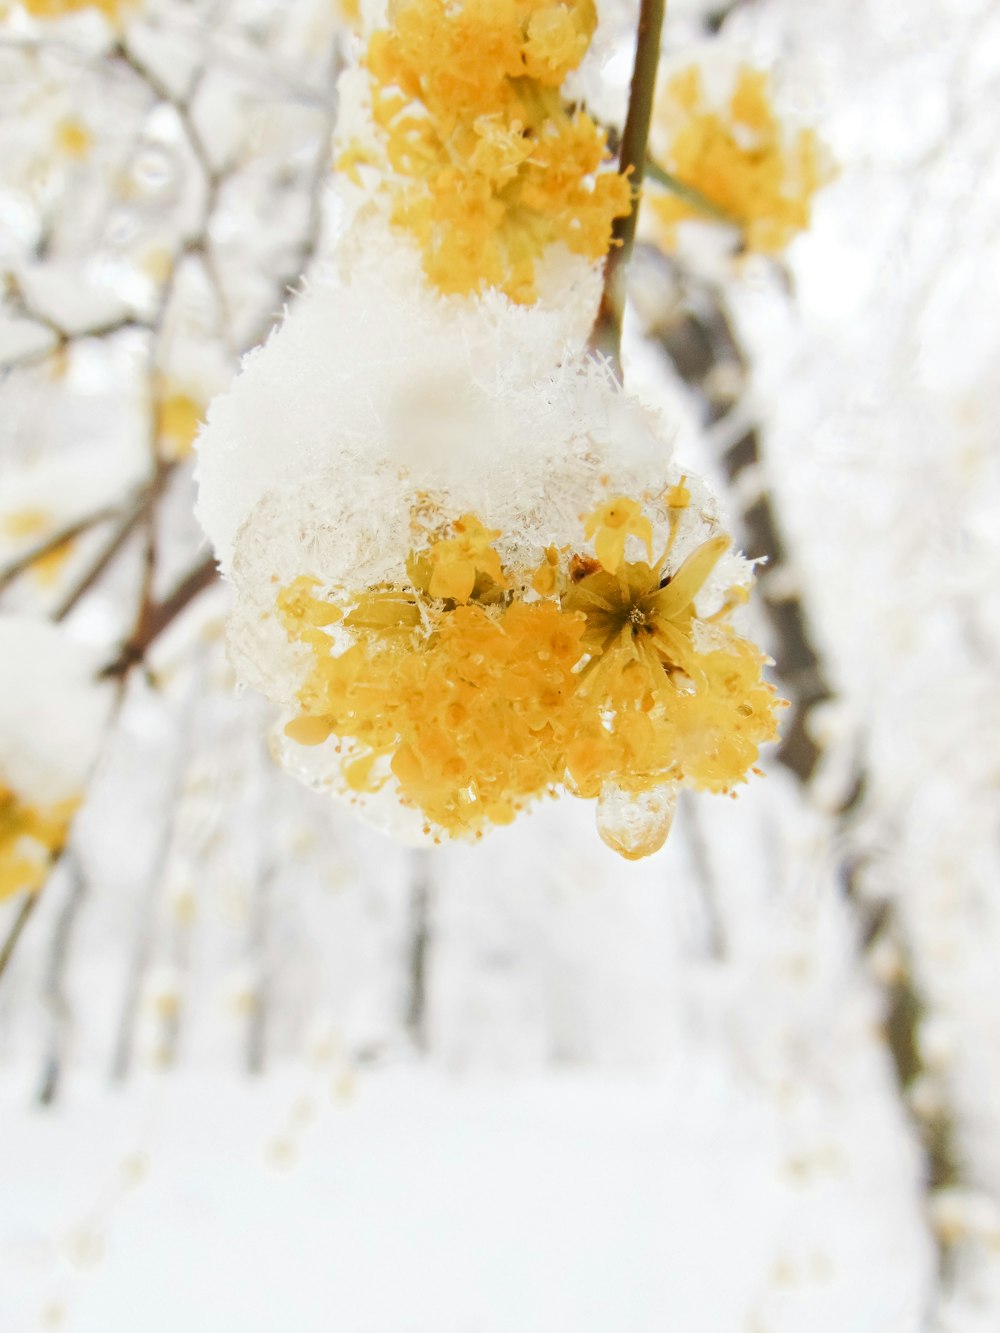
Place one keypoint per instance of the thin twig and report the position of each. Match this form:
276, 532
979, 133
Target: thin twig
701, 863
420, 936
159, 616
261, 909
63, 339
688, 193
123, 1050
606, 336
105, 557
17, 926
55, 995
22, 563
212, 177
318, 174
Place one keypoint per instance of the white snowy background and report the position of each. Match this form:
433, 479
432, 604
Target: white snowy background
261, 1069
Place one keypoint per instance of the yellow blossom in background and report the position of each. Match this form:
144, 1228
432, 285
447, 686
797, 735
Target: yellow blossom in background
738, 158
73, 139
54, 9
178, 416
24, 524
494, 686
29, 839
484, 162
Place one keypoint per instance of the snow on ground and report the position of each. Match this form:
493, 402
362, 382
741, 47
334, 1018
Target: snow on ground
409, 1201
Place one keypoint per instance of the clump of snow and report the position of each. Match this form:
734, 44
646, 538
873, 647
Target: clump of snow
53, 710
367, 402
374, 404
381, 395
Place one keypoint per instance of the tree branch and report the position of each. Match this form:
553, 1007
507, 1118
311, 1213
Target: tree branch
160, 616
703, 347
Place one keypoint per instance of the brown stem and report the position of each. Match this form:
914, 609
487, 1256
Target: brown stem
606, 336
158, 616
22, 563
62, 338
104, 558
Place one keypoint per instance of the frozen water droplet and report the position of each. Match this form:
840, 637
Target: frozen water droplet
635, 823
155, 170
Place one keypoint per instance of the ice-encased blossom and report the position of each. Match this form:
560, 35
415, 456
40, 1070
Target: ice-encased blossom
52, 718
400, 489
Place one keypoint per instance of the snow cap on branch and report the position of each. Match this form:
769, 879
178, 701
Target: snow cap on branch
52, 710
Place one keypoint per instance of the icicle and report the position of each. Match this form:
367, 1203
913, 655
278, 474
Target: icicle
636, 824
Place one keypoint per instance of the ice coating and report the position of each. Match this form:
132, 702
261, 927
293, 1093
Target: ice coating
372, 419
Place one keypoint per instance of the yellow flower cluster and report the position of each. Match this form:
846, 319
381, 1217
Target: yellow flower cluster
481, 688
29, 838
54, 9
485, 163
741, 162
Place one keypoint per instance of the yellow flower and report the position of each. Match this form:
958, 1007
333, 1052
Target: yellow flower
511, 683
739, 159
298, 606
643, 616
483, 161
611, 524
458, 562
545, 579
30, 837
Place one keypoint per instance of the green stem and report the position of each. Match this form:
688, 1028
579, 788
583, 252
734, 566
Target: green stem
688, 193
